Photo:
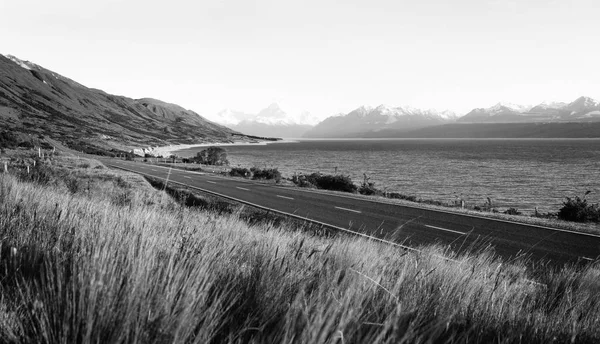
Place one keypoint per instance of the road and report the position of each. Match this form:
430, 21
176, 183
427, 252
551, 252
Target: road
406, 225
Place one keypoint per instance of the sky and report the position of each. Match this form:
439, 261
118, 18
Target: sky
322, 56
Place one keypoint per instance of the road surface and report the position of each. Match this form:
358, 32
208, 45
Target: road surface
406, 225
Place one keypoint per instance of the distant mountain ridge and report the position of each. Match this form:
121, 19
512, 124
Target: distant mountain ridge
385, 121
366, 119
270, 121
583, 109
37, 101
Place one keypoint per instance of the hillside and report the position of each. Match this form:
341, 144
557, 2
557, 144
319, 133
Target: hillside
40, 102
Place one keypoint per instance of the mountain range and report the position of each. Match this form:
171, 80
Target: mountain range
405, 121
271, 121
582, 109
384, 121
37, 101
380, 119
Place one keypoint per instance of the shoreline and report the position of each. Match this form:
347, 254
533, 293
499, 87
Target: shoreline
165, 151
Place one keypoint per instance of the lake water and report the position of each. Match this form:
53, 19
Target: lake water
520, 173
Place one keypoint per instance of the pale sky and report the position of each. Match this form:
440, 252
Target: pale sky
322, 56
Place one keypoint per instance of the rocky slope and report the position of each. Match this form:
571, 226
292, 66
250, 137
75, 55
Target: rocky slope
37, 101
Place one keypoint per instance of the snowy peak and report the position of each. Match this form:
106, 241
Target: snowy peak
231, 117
584, 102
550, 105
507, 107
399, 111
271, 115
366, 119
361, 111
581, 109
270, 121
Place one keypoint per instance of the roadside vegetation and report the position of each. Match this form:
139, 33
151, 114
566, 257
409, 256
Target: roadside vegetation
575, 215
93, 255
579, 210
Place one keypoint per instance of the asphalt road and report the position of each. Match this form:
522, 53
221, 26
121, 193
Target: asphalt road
409, 226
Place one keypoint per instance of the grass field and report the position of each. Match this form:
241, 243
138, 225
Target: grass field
92, 255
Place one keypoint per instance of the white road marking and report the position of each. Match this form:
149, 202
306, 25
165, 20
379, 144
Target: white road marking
445, 229
284, 197
237, 187
352, 210
187, 177
208, 181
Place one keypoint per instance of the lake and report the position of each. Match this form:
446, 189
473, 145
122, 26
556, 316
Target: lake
520, 173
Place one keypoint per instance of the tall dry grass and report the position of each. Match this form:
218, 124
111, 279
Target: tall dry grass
82, 267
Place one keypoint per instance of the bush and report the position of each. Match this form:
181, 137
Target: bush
267, 173
512, 211
578, 210
336, 182
26, 144
212, 156
8, 139
368, 188
239, 172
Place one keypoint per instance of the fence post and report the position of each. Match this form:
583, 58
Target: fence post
27, 169
5, 167
39, 152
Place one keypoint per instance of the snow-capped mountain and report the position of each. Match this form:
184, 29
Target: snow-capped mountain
366, 120
582, 109
271, 121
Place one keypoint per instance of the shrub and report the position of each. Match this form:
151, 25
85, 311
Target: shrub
8, 139
239, 172
368, 188
578, 210
336, 182
212, 156
512, 211
26, 144
267, 173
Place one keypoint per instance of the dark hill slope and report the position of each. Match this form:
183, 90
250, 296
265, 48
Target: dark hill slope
34, 100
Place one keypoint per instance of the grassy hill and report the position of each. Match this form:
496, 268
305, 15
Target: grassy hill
39, 102
93, 255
